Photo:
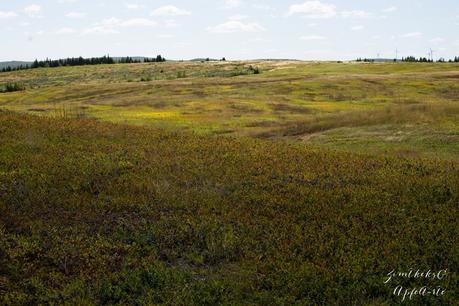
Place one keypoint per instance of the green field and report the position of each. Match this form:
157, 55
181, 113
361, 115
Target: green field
202, 183
397, 108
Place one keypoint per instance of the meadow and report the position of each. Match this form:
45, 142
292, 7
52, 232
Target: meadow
205, 183
393, 108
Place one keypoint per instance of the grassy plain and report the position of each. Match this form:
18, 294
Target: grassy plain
206, 184
98, 213
402, 108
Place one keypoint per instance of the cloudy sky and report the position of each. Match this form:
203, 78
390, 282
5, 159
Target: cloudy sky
236, 29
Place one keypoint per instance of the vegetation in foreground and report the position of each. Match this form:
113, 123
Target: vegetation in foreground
97, 213
407, 109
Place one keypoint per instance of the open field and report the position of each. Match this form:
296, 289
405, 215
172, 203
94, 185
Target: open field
402, 109
97, 213
205, 183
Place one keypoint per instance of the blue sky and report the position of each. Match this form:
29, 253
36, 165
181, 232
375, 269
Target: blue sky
236, 29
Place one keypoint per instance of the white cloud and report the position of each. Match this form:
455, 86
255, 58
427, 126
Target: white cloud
230, 4
165, 36
100, 30
390, 9
263, 7
437, 40
133, 6
113, 25
238, 17
169, 11
75, 15
170, 23
313, 37
355, 14
31, 36
65, 31
412, 35
233, 26
358, 28
261, 40
7, 15
313, 9
137, 22
33, 10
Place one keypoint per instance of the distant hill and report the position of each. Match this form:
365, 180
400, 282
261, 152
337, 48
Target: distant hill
260, 59
13, 64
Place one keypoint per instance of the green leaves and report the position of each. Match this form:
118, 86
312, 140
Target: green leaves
100, 213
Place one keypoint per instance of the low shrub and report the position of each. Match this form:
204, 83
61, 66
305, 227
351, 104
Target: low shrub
12, 87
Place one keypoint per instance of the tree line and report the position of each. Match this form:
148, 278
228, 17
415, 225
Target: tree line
413, 59
80, 61
130, 60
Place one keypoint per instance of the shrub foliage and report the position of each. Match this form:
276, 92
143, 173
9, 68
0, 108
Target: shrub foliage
97, 213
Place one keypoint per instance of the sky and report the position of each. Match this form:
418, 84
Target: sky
235, 29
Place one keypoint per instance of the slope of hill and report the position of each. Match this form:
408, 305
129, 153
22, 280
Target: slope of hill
403, 109
98, 213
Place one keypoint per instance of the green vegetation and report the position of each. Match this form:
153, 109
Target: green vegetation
80, 61
228, 183
97, 213
12, 87
388, 108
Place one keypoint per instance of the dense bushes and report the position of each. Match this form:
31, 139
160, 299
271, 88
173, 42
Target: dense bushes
11, 87
94, 213
233, 73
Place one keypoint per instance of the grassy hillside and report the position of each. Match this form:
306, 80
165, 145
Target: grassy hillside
95, 212
407, 109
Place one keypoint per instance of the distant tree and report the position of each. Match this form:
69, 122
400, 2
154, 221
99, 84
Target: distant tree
79, 61
35, 64
409, 59
223, 59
